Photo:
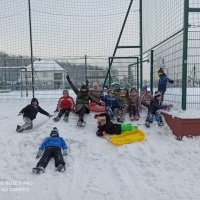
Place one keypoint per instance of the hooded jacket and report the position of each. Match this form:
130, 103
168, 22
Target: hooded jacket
82, 98
30, 111
162, 83
53, 141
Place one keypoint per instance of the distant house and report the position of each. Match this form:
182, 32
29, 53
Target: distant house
47, 75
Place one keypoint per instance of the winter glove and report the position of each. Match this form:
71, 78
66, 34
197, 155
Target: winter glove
68, 78
50, 116
87, 82
39, 154
65, 152
171, 81
20, 114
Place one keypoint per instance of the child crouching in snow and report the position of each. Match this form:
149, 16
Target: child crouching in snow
105, 126
29, 114
155, 109
52, 146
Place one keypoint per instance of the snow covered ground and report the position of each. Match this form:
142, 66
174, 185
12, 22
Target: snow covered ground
159, 168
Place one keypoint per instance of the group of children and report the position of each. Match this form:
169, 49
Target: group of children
118, 102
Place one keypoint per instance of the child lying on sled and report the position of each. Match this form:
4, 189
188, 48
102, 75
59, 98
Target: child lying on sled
106, 126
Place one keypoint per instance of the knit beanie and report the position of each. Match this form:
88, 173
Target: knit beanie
54, 132
157, 94
161, 71
84, 87
144, 88
95, 84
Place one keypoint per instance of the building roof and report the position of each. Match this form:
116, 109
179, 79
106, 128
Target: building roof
45, 65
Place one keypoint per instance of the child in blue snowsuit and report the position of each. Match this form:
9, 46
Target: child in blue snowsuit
154, 109
162, 83
52, 148
112, 104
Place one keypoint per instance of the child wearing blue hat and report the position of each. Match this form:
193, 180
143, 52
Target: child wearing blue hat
52, 148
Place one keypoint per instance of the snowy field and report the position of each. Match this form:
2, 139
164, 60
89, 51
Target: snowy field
159, 168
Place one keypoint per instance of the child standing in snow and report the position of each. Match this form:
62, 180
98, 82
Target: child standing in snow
52, 148
29, 114
134, 104
124, 101
82, 101
162, 83
65, 105
105, 126
112, 104
145, 97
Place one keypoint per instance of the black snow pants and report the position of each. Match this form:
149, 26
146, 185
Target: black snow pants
51, 151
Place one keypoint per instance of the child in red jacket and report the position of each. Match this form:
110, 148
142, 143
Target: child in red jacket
64, 106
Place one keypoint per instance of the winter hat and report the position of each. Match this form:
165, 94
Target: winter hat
34, 100
133, 89
84, 87
161, 71
157, 94
115, 85
54, 132
144, 88
95, 84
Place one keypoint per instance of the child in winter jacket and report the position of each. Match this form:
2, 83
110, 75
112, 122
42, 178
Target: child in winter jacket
64, 106
105, 126
112, 104
29, 114
95, 92
124, 102
145, 97
134, 104
162, 83
82, 101
154, 109
52, 148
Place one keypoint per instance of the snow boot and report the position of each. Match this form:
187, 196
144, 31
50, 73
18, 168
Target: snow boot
160, 123
80, 122
147, 124
61, 168
38, 170
18, 128
56, 119
65, 119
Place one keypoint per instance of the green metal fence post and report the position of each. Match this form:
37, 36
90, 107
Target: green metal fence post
138, 75
141, 49
31, 46
85, 67
151, 72
116, 46
185, 50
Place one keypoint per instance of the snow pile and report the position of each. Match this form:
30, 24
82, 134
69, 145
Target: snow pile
159, 168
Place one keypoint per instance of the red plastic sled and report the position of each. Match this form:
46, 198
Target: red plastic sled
96, 108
